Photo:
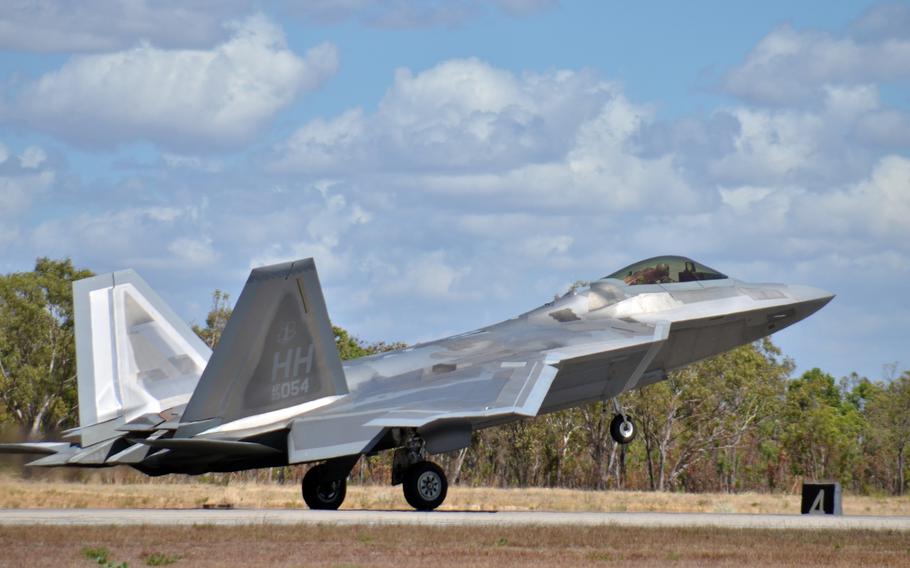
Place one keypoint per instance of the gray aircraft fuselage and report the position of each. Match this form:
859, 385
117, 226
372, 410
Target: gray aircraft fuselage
599, 341
706, 318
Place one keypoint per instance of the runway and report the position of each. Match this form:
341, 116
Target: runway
236, 517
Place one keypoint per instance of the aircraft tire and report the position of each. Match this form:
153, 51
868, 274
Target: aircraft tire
321, 493
623, 429
425, 486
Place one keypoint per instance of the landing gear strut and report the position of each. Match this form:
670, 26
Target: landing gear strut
424, 483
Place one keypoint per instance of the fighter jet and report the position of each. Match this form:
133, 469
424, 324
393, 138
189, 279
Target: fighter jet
274, 392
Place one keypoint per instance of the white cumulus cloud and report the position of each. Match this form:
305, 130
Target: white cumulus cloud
460, 114
139, 236
563, 138
404, 14
791, 66
32, 157
196, 251
429, 275
17, 192
838, 138
317, 229
104, 25
878, 206
177, 98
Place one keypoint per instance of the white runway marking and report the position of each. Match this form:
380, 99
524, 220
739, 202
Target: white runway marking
72, 517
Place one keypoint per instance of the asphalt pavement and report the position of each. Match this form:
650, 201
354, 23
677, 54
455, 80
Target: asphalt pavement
234, 517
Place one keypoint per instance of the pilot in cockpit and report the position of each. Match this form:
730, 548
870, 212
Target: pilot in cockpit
658, 274
666, 270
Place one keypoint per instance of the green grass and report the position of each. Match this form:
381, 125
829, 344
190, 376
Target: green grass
161, 559
101, 556
98, 554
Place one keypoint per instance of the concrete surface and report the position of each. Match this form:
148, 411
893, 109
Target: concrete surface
439, 518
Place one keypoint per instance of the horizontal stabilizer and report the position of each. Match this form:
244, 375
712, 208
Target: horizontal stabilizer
222, 447
95, 433
52, 460
97, 454
145, 423
35, 448
132, 454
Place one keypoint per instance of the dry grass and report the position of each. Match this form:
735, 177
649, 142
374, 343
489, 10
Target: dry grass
17, 493
449, 546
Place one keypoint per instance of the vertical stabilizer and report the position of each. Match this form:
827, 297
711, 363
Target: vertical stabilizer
278, 349
134, 355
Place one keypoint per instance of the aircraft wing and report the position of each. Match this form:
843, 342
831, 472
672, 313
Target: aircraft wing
450, 396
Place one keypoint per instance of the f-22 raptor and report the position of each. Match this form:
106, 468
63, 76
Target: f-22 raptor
275, 392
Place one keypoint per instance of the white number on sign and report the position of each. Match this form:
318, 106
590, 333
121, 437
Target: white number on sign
818, 506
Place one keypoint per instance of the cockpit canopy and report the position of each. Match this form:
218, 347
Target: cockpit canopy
664, 270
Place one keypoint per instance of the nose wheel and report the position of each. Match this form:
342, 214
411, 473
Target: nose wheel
623, 429
425, 486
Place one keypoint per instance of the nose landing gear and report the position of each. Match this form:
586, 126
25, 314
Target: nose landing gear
623, 429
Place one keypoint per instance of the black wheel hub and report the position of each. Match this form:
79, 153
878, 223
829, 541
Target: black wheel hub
327, 492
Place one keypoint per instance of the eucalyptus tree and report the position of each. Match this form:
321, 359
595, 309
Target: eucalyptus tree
37, 346
709, 410
888, 412
823, 429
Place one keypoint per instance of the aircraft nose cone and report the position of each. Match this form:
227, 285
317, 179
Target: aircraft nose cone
808, 294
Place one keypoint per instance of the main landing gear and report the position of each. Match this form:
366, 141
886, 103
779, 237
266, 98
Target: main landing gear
322, 490
424, 483
425, 486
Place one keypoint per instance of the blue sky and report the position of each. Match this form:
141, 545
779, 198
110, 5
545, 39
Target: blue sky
450, 164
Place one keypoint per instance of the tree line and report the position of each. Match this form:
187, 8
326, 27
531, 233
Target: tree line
739, 421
